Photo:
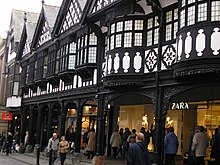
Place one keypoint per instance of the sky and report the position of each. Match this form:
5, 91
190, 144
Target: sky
6, 7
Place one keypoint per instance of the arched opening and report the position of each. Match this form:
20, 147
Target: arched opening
132, 111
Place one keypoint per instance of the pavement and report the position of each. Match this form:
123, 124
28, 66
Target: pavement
72, 159
31, 159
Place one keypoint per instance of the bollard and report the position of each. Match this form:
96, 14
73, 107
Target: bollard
38, 156
50, 157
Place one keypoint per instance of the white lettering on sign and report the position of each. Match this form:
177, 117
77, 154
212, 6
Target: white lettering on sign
179, 106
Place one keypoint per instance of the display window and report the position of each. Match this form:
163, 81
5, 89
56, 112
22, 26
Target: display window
185, 118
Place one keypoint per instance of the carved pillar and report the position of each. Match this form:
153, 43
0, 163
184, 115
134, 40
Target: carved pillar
79, 126
62, 118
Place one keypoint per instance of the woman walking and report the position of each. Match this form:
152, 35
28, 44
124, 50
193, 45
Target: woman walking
63, 148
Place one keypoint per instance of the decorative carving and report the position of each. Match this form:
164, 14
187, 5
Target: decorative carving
179, 48
137, 62
188, 44
109, 62
126, 62
151, 60
200, 42
116, 63
215, 40
169, 56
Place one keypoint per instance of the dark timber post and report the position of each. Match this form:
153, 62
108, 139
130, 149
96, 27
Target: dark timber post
39, 116
79, 127
100, 132
62, 118
158, 11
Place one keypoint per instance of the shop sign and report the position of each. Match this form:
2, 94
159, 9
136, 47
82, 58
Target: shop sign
6, 116
180, 106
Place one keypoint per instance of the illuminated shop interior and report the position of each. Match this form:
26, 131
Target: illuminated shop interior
205, 113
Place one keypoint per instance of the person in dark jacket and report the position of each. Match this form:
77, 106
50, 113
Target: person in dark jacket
125, 144
137, 153
216, 147
170, 146
9, 143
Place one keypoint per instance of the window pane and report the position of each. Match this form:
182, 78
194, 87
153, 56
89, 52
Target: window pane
169, 16
112, 42
191, 1
92, 39
119, 26
150, 23
72, 47
92, 55
202, 12
128, 25
175, 29
118, 40
182, 18
138, 39
215, 11
168, 32
149, 38
139, 24
191, 16
127, 39
156, 35
112, 28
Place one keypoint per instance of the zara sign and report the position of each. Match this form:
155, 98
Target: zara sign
180, 106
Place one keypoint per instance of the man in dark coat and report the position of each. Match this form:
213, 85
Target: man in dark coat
216, 147
137, 153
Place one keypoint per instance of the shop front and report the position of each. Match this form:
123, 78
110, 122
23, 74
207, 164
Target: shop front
201, 107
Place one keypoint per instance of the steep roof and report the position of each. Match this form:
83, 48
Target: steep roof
50, 13
45, 24
17, 16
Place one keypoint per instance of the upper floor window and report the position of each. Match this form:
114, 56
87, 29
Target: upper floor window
194, 11
152, 31
171, 24
215, 14
126, 33
87, 49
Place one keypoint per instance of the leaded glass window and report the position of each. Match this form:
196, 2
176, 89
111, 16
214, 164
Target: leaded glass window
128, 39
215, 14
202, 12
191, 16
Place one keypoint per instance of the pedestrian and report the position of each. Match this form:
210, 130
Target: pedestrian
115, 142
63, 148
53, 145
72, 136
189, 153
171, 144
138, 153
2, 141
26, 138
215, 145
85, 138
132, 138
147, 136
200, 144
91, 143
125, 144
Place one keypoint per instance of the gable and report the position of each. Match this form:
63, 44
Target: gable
45, 34
100, 4
73, 15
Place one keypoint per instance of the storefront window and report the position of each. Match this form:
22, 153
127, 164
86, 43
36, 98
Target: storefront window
184, 117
